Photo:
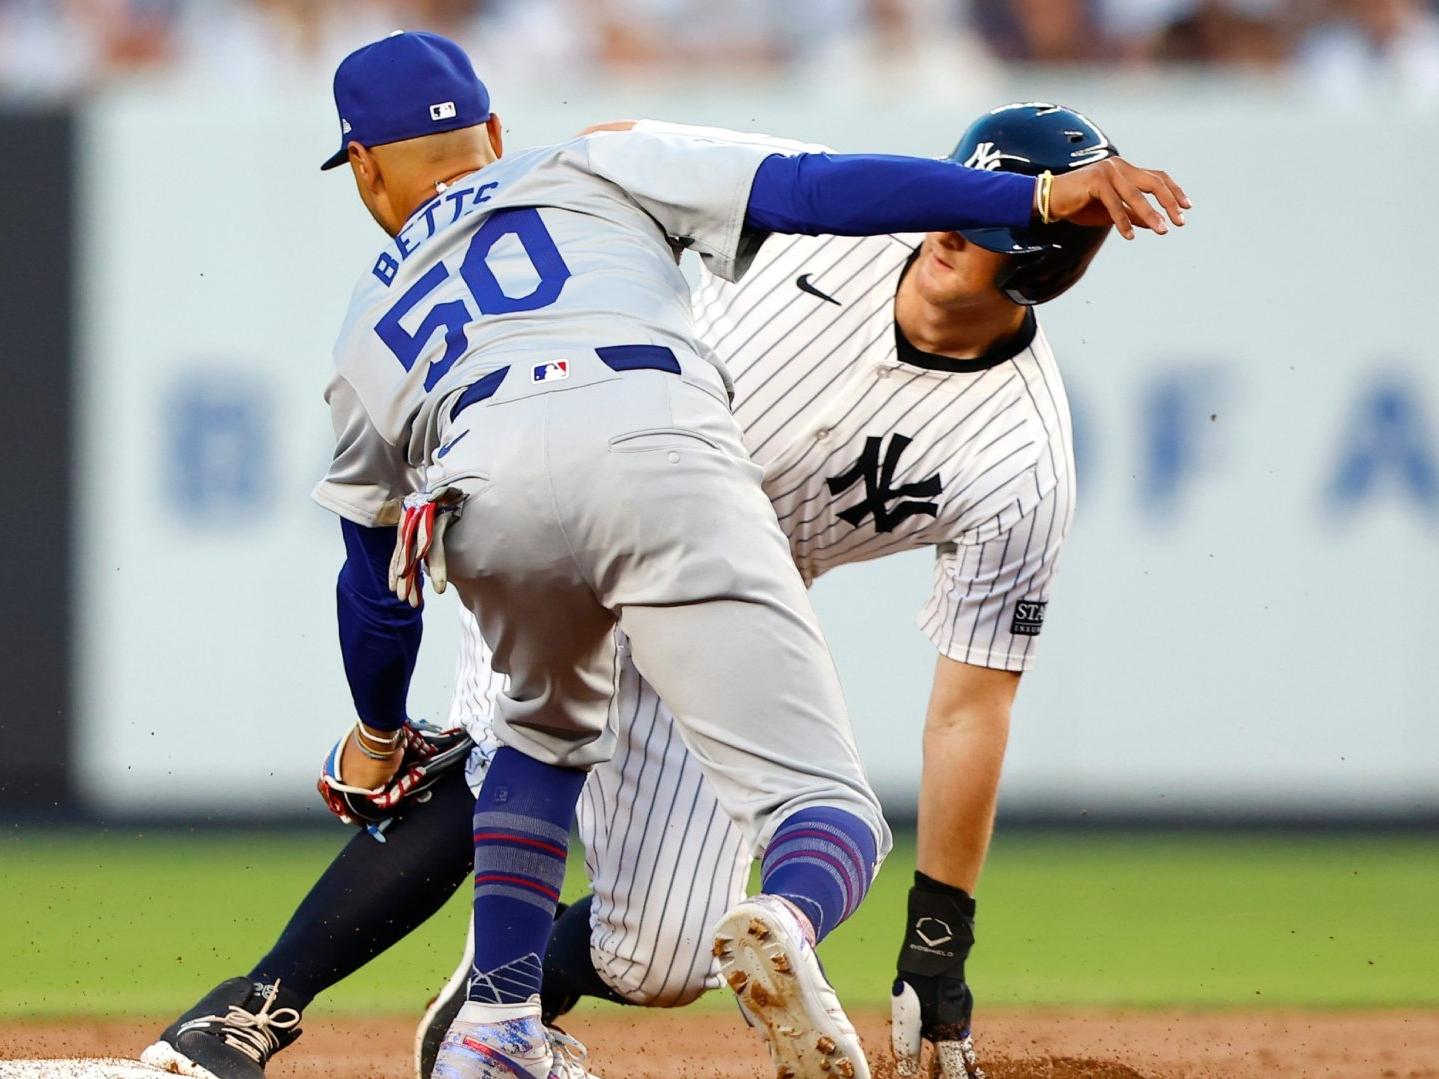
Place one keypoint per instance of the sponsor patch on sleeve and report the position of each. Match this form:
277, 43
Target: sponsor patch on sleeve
1028, 618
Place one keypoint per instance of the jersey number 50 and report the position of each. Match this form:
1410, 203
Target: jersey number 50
454, 315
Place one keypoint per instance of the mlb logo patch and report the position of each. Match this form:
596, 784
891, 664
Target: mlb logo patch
1028, 618
445, 110
553, 371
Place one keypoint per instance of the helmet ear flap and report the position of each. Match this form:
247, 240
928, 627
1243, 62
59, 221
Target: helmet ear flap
1009, 279
1043, 276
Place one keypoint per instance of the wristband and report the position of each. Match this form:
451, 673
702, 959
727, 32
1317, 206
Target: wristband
939, 934
1046, 193
387, 746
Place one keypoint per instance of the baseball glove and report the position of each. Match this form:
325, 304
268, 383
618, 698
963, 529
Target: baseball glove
429, 753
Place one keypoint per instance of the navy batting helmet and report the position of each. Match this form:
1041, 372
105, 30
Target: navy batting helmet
1032, 138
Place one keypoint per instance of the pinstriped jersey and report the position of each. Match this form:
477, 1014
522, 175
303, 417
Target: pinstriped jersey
870, 447
865, 454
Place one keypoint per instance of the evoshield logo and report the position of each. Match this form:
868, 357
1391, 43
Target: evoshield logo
933, 932
1089, 154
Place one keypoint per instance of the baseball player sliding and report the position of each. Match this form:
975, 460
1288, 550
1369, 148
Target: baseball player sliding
525, 344
898, 392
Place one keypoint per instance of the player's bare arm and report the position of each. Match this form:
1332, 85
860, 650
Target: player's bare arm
966, 729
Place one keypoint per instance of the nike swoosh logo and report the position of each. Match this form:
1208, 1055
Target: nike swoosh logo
804, 286
448, 446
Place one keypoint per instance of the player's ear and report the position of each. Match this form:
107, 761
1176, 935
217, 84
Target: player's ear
365, 167
495, 129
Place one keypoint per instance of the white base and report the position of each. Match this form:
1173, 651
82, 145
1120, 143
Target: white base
76, 1069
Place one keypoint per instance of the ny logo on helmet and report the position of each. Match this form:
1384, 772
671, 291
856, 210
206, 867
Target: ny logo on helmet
988, 158
1089, 154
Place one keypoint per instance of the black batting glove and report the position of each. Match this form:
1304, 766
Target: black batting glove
931, 1000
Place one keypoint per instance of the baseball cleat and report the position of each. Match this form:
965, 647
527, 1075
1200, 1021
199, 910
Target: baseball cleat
230, 1034
571, 1058
767, 959
441, 1011
496, 1041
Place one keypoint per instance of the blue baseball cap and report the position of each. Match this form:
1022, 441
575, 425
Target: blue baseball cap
403, 86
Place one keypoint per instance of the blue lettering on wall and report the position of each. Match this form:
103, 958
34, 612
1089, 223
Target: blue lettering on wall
1388, 448
218, 447
1179, 413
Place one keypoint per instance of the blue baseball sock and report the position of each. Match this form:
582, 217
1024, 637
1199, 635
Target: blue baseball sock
522, 836
822, 860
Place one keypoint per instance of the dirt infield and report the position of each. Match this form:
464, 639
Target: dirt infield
715, 1045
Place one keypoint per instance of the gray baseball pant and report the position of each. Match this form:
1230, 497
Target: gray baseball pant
625, 499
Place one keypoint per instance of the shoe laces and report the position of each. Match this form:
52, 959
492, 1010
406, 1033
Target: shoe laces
571, 1058
252, 1033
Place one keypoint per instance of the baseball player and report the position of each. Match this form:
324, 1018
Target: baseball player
898, 392
582, 434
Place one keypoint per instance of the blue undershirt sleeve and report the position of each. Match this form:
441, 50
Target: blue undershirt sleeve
379, 632
872, 194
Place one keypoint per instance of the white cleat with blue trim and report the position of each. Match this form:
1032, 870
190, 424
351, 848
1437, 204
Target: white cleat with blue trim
496, 1041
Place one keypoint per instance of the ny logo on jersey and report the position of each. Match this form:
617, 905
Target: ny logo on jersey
878, 494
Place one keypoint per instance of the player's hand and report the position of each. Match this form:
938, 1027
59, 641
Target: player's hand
937, 1012
360, 794
1115, 192
364, 771
420, 540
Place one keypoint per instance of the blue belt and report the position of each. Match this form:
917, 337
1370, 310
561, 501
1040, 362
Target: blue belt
615, 357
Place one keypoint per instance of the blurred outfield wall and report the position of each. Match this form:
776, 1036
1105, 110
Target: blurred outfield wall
1245, 618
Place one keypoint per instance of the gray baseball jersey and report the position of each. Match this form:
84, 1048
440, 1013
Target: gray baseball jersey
553, 249
527, 337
